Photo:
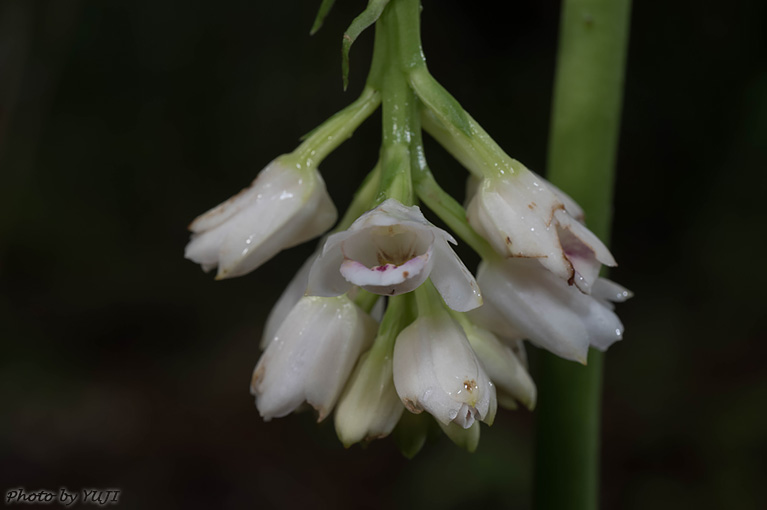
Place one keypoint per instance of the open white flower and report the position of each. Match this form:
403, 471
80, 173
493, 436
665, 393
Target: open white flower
522, 215
311, 356
391, 250
284, 206
435, 369
524, 300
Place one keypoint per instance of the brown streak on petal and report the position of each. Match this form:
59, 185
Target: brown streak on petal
470, 385
554, 210
258, 376
412, 406
405, 274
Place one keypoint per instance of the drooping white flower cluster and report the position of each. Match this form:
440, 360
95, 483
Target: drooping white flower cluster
384, 326
323, 348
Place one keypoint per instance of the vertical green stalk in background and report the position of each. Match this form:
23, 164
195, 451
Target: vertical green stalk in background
582, 147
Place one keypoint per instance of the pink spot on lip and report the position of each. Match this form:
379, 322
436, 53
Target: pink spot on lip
383, 268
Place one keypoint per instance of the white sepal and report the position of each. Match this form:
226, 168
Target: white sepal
540, 307
436, 370
288, 299
311, 356
505, 369
284, 206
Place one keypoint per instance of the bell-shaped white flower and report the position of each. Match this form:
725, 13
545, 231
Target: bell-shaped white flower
369, 407
311, 356
435, 369
505, 368
284, 206
391, 250
524, 300
522, 215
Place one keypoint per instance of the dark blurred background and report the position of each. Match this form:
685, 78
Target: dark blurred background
124, 366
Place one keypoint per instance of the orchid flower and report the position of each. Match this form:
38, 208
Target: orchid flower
524, 216
391, 250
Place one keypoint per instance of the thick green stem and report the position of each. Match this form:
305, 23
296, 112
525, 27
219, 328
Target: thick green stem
397, 113
582, 146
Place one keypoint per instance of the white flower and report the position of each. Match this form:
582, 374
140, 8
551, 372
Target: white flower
311, 356
505, 368
284, 206
436, 370
522, 215
524, 300
369, 407
391, 250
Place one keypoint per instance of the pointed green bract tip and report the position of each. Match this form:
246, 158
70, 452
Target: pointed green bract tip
369, 16
410, 433
322, 13
468, 439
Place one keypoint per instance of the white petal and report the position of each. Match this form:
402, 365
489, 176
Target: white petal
571, 206
608, 290
325, 279
311, 356
585, 251
505, 369
454, 282
290, 296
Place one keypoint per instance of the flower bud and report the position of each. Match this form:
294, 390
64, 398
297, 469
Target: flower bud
369, 407
436, 370
284, 206
311, 356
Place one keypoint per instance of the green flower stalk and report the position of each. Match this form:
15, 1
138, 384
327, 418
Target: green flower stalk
582, 146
